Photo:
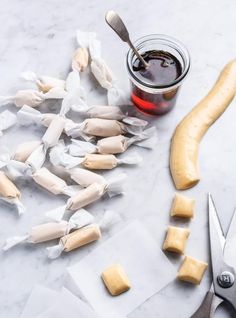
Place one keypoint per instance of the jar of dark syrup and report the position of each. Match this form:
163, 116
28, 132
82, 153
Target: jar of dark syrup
154, 90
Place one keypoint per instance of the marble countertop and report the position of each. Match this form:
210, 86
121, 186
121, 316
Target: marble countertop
40, 36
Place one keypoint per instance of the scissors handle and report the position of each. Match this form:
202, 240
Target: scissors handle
204, 311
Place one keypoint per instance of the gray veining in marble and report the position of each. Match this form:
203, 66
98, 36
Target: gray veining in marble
40, 35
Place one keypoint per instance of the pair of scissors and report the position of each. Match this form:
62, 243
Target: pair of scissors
223, 287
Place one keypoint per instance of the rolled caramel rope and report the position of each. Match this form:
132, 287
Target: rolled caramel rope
7, 120
51, 230
88, 195
83, 236
10, 193
49, 139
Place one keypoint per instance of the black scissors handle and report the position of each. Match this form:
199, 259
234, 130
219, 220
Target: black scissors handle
205, 309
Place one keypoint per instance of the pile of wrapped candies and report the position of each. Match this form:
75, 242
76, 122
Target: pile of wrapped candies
92, 144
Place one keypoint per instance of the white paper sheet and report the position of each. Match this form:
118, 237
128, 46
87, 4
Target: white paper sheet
39, 300
68, 306
147, 267
46, 303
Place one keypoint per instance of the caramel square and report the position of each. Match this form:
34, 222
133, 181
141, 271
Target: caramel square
192, 270
116, 280
182, 206
176, 238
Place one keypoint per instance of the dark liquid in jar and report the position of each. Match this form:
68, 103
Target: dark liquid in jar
163, 69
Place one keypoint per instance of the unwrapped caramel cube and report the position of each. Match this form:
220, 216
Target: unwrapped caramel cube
192, 270
182, 206
176, 238
116, 280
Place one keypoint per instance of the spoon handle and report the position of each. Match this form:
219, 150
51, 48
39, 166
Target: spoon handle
116, 23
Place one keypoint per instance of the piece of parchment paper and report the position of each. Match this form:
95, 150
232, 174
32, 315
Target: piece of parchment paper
46, 303
40, 299
146, 265
68, 305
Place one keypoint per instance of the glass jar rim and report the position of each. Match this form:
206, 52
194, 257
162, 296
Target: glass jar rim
167, 40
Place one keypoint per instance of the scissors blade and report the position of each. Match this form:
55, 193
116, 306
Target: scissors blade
217, 243
217, 238
232, 227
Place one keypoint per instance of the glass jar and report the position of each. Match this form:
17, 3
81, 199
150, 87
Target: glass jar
148, 97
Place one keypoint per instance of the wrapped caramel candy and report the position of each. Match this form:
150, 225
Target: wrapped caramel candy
113, 145
89, 195
90, 127
105, 127
9, 193
83, 236
85, 177
51, 230
75, 96
58, 156
49, 139
11, 167
31, 97
24, 150
103, 112
53, 183
7, 120
104, 76
27, 116
80, 58
45, 83
108, 112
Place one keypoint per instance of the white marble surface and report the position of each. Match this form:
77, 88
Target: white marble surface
40, 36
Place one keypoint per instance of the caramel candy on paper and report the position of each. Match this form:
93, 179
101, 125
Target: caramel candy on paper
49, 181
192, 270
116, 280
176, 239
98, 161
7, 188
103, 127
182, 206
24, 150
80, 237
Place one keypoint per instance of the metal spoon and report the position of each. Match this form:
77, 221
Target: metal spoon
115, 22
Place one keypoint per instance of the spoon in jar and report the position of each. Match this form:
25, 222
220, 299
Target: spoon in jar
116, 23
